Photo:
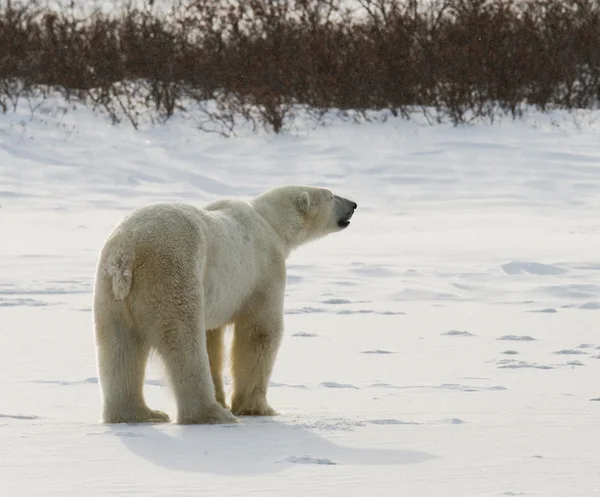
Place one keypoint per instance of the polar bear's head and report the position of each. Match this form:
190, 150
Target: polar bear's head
301, 214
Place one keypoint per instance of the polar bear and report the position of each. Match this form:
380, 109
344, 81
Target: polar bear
171, 277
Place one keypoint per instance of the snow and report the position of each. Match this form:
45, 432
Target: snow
446, 344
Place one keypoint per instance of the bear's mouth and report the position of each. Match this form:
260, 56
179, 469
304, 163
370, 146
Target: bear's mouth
345, 221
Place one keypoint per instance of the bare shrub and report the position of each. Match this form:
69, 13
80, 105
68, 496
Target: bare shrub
261, 60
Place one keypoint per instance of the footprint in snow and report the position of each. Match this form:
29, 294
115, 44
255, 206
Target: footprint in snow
306, 310
569, 352
81, 309
377, 351
336, 301
512, 364
444, 386
465, 388
516, 338
334, 424
510, 352
590, 306
575, 363
304, 334
457, 333
333, 384
370, 311
274, 384
156, 383
116, 434
585, 346
537, 268
308, 460
16, 302
20, 416
547, 310
92, 380
392, 422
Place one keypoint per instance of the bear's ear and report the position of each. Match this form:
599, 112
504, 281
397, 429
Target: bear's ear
304, 202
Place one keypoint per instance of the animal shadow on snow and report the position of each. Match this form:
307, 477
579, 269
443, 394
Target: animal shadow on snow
250, 447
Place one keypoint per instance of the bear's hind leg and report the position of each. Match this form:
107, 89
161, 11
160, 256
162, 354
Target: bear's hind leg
215, 347
182, 347
121, 368
255, 345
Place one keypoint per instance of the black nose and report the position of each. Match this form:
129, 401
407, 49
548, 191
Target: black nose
354, 205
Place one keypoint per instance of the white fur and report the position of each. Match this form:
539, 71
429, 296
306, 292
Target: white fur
171, 277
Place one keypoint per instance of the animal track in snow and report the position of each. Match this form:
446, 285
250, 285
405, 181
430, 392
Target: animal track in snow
516, 338
308, 460
458, 333
377, 351
20, 416
590, 306
274, 384
575, 363
370, 311
91, 380
547, 310
519, 267
454, 421
304, 334
306, 310
16, 302
444, 386
510, 352
336, 301
156, 383
392, 422
333, 384
465, 388
82, 309
512, 364
569, 352
334, 424
320, 310
116, 434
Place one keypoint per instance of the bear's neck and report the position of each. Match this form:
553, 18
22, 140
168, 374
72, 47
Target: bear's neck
290, 230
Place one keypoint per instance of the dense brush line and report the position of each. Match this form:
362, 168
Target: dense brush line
260, 59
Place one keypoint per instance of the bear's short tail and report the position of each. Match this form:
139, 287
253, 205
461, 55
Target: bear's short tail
119, 270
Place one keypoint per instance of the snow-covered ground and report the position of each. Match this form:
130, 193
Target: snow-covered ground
447, 344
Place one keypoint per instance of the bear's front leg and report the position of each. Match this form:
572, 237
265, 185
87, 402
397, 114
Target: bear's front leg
256, 340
